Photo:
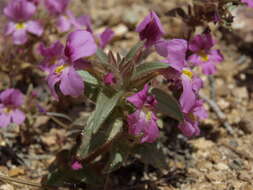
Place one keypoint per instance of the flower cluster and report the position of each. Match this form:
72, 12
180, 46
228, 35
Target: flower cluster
180, 74
61, 62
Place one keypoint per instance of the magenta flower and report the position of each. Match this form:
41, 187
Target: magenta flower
54, 52
190, 86
63, 71
105, 37
191, 120
150, 29
35, 2
76, 165
203, 55
65, 18
10, 101
174, 51
56, 7
143, 121
248, 2
143, 124
180, 75
68, 21
109, 79
20, 12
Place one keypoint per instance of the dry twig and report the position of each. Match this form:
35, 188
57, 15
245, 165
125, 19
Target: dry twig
221, 116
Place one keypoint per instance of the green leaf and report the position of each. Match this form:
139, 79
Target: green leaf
61, 115
104, 107
118, 154
92, 142
148, 67
133, 51
101, 55
87, 77
60, 172
61, 177
167, 104
146, 150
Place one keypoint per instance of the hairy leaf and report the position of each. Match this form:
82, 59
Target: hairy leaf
61, 115
93, 142
118, 154
167, 104
104, 107
158, 160
87, 77
133, 51
149, 67
101, 55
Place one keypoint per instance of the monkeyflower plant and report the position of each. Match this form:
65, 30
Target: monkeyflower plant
131, 95
128, 106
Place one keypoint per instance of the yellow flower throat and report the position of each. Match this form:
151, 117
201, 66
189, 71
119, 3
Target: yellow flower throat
20, 26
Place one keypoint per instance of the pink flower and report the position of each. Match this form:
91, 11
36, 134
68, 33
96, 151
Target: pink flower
105, 37
35, 2
76, 165
183, 78
68, 21
144, 125
56, 7
20, 12
63, 70
143, 121
150, 29
174, 51
248, 2
109, 79
191, 120
10, 101
203, 55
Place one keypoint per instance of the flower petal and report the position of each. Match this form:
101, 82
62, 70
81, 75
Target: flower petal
5, 120
12, 97
19, 37
55, 50
248, 2
151, 131
150, 29
188, 98
19, 10
106, 37
56, 7
175, 52
34, 27
80, 44
139, 99
17, 116
9, 28
63, 24
71, 82
189, 129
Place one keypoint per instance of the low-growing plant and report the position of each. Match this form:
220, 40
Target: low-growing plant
131, 95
